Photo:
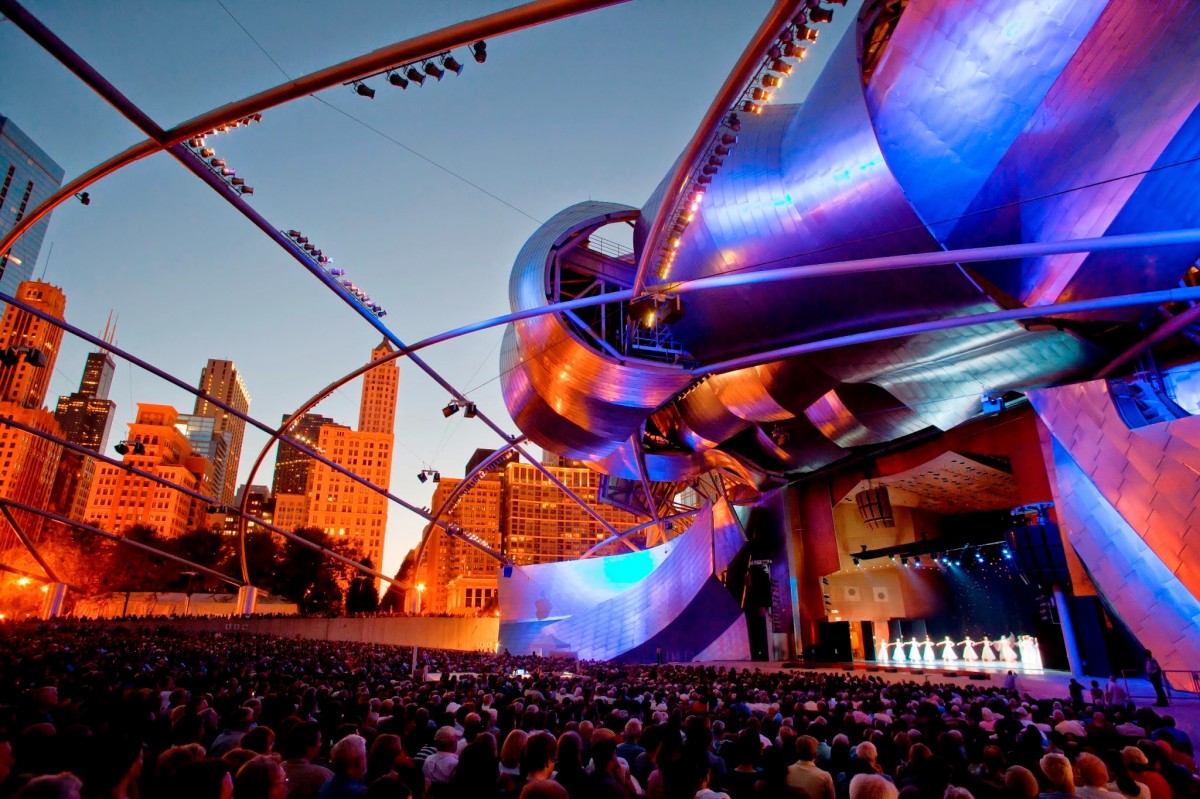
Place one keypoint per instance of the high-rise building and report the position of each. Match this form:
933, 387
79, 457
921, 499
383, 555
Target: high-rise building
291, 465
86, 415
210, 442
86, 419
518, 511
29, 345
377, 409
544, 525
341, 506
28, 350
27, 177
458, 577
260, 506
120, 499
221, 380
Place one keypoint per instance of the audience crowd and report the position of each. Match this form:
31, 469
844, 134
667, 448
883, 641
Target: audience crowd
100, 711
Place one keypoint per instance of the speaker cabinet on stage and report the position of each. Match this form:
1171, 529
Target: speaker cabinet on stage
867, 629
835, 642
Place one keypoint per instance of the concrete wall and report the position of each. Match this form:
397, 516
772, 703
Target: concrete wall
426, 632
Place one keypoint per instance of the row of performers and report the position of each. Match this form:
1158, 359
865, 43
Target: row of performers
1007, 649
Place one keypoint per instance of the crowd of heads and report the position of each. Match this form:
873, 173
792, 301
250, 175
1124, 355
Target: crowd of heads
90, 710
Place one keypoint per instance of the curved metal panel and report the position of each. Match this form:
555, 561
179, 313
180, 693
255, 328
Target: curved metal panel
562, 392
807, 184
959, 82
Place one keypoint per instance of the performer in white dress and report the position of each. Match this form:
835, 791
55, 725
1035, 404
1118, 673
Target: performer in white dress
898, 655
1031, 655
881, 648
985, 650
927, 653
969, 650
948, 654
914, 650
1007, 653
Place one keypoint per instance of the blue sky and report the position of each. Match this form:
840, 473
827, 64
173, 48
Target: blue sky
594, 107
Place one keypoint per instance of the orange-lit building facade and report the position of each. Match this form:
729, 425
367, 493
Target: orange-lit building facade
517, 510
29, 463
343, 507
119, 499
25, 382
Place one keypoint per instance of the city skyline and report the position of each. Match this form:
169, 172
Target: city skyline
190, 281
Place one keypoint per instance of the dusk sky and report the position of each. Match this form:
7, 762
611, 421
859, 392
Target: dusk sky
594, 107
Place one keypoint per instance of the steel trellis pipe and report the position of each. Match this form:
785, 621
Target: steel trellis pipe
194, 164
13, 423
154, 370
1016, 314
426, 45
735, 84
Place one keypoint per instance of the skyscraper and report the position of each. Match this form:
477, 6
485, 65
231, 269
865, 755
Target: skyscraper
291, 465
29, 345
339, 505
220, 379
86, 415
377, 410
27, 177
28, 350
86, 419
119, 499
207, 440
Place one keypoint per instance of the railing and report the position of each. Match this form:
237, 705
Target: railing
1175, 681
610, 248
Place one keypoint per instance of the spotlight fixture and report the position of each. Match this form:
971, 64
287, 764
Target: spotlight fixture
415, 75
734, 123
805, 34
904, 561
892, 558
782, 67
121, 448
422, 476
917, 560
761, 95
396, 79
453, 64
479, 51
84, 198
857, 562
795, 51
470, 412
770, 81
821, 15
450, 409
364, 90
751, 108
864, 547
433, 70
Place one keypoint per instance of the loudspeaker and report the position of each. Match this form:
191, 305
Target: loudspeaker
835, 642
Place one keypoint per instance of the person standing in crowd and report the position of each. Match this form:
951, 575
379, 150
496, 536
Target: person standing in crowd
1154, 673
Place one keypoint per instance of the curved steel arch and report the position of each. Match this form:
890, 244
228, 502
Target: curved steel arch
679, 180
429, 44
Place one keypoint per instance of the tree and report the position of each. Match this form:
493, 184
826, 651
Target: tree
362, 596
315, 582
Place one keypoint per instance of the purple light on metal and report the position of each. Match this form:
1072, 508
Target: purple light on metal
1040, 311
678, 182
